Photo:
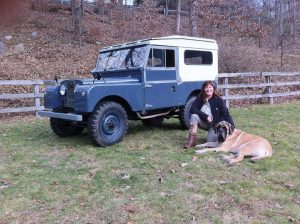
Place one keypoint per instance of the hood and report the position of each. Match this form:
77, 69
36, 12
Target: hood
112, 80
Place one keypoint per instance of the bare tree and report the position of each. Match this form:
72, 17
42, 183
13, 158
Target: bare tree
193, 18
77, 12
178, 16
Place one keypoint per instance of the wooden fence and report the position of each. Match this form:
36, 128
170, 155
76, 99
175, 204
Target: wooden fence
268, 84
224, 84
36, 95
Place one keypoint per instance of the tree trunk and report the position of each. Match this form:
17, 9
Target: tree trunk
167, 7
281, 31
279, 21
193, 18
77, 12
178, 16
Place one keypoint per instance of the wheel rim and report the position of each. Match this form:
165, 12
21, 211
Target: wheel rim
110, 124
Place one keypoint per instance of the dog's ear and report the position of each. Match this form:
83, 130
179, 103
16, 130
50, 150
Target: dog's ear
216, 127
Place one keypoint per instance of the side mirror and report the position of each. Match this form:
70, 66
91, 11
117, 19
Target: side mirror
96, 74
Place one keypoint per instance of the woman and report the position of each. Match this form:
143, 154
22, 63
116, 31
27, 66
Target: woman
206, 111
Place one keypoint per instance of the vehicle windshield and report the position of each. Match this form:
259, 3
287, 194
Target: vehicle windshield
122, 58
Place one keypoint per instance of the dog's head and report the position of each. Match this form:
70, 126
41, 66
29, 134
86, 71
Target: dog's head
223, 129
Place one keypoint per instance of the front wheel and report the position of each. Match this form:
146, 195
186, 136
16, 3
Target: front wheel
107, 124
184, 113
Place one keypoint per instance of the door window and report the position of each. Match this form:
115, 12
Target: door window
161, 58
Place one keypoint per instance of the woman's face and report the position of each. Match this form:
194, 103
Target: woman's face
209, 90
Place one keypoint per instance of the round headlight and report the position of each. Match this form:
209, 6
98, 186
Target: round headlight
62, 90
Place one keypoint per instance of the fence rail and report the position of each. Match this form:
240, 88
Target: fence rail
224, 84
268, 84
36, 95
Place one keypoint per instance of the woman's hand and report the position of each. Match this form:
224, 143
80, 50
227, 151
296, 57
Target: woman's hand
209, 119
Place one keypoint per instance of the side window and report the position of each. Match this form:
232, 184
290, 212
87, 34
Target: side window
198, 57
161, 58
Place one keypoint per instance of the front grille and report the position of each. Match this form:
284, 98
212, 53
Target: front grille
69, 97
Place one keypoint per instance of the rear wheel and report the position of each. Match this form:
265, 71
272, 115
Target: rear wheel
184, 113
64, 128
108, 124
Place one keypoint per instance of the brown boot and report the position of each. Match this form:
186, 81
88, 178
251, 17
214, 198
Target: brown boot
191, 142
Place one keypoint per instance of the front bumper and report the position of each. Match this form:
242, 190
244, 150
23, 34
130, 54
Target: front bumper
65, 116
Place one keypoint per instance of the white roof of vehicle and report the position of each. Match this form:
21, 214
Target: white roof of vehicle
171, 41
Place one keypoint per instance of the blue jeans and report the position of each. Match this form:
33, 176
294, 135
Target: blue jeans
211, 135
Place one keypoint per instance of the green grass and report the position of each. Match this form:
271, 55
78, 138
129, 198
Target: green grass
47, 179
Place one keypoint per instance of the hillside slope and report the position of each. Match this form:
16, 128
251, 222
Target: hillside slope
50, 49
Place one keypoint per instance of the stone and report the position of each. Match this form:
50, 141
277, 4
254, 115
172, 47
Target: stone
34, 34
8, 37
19, 48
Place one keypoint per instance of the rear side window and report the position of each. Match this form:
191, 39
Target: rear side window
161, 58
198, 57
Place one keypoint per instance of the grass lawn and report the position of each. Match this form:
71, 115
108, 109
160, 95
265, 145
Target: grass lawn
148, 178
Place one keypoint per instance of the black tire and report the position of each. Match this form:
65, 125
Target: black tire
155, 121
107, 124
64, 128
184, 113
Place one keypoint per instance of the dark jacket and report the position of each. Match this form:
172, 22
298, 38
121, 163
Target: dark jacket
219, 110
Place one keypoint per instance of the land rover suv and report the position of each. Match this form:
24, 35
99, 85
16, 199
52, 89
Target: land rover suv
147, 80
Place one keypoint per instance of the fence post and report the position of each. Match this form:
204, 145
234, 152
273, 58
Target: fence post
226, 92
269, 89
37, 99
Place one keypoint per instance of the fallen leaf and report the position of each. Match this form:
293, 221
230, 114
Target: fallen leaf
267, 181
291, 219
183, 164
289, 186
222, 182
125, 177
55, 183
126, 188
278, 206
4, 181
131, 208
194, 220
297, 201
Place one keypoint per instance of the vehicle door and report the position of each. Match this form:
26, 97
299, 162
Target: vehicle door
161, 79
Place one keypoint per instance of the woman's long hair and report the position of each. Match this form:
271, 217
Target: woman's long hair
202, 94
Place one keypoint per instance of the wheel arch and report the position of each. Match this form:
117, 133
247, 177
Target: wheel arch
119, 100
193, 93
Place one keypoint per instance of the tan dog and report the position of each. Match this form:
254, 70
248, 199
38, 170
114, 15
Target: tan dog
239, 143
